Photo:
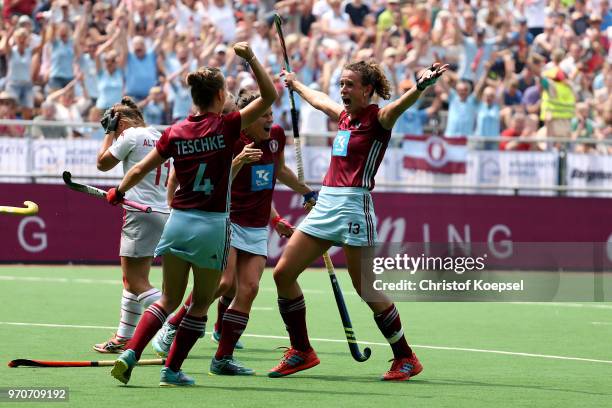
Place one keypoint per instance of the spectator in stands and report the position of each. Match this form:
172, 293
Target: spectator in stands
462, 108
387, 18
517, 124
583, 127
96, 28
141, 68
221, 15
68, 106
8, 106
155, 107
357, 10
336, 23
61, 71
110, 75
558, 103
488, 111
46, 131
19, 60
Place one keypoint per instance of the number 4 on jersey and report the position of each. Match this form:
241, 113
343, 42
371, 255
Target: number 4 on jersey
201, 183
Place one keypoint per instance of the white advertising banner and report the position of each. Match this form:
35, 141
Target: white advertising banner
589, 170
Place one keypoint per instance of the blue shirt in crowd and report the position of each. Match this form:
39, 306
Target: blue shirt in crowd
140, 75
62, 55
461, 115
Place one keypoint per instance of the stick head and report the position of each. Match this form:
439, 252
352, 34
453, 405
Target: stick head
67, 177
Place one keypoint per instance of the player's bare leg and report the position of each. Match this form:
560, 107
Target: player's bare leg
225, 293
249, 268
405, 363
176, 277
301, 251
138, 294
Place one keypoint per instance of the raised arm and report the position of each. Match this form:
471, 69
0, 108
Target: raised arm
286, 176
259, 106
318, 100
5, 43
389, 114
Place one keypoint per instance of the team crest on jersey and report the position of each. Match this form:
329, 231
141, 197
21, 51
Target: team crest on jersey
273, 144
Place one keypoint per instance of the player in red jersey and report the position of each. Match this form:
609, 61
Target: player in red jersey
259, 162
344, 212
197, 233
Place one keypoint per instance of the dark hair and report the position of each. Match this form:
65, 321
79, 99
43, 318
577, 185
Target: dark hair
245, 97
128, 109
205, 83
371, 74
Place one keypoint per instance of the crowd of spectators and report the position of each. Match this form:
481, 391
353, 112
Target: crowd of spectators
530, 68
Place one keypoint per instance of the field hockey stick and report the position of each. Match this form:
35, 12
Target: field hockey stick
21, 362
99, 193
31, 208
346, 319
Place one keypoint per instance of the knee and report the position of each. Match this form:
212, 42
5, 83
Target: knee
225, 286
248, 291
282, 277
169, 304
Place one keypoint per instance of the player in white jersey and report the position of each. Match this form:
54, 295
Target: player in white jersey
129, 140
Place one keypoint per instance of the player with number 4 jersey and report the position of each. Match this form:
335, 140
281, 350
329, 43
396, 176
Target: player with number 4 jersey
128, 140
259, 161
196, 236
344, 211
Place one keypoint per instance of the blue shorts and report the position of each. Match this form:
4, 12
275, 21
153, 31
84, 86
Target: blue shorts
344, 215
199, 237
250, 239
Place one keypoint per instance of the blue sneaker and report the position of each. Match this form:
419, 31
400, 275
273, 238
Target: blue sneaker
228, 366
122, 370
216, 338
163, 339
171, 378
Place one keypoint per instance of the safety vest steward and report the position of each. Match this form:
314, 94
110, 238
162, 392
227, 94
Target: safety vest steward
561, 106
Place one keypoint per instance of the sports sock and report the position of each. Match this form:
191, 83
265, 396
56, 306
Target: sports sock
131, 311
233, 325
177, 318
293, 312
391, 327
189, 331
222, 306
152, 320
149, 297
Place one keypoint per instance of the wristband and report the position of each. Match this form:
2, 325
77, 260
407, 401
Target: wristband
313, 194
275, 221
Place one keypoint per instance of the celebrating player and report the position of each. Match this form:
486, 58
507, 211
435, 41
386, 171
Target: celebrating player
258, 163
344, 212
133, 140
197, 233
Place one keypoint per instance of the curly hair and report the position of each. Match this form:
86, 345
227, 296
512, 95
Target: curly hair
205, 83
245, 97
128, 110
371, 74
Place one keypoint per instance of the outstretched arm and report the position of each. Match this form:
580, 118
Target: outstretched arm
389, 114
318, 100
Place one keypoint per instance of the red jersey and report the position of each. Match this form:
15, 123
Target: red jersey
201, 147
253, 186
358, 150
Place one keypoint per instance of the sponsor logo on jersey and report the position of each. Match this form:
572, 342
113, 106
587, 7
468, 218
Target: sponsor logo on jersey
262, 177
341, 142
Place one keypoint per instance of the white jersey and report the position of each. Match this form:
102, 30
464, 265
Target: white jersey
131, 147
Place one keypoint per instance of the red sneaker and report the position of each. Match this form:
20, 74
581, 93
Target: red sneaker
403, 368
294, 361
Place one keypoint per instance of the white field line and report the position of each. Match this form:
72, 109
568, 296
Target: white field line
602, 323
113, 282
368, 343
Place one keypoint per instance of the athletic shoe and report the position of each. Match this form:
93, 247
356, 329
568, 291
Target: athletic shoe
113, 345
294, 361
228, 366
122, 369
163, 339
171, 378
402, 369
216, 338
